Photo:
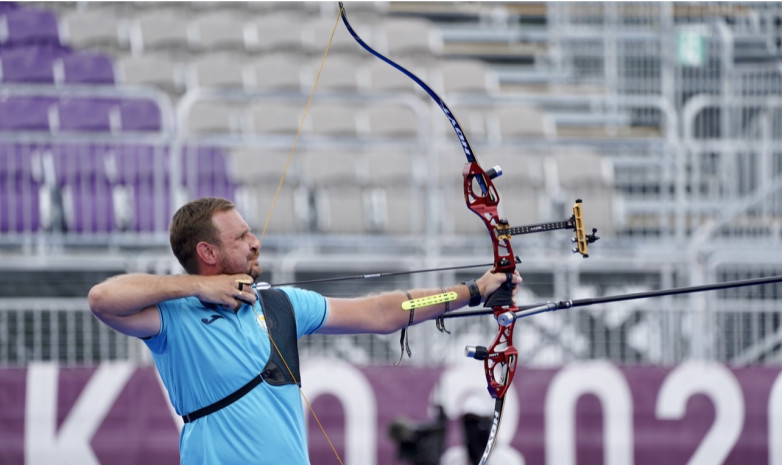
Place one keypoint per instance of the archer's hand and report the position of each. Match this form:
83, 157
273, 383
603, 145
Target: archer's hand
490, 282
228, 290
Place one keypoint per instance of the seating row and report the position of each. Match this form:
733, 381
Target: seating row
58, 65
386, 191
375, 119
296, 72
143, 30
95, 188
87, 114
54, 64
88, 189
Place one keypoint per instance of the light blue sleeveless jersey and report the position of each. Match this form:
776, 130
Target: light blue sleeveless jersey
205, 352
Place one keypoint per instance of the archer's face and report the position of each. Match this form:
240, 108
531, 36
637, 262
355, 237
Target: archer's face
238, 246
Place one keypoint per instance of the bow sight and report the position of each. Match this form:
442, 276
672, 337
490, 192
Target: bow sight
504, 231
575, 222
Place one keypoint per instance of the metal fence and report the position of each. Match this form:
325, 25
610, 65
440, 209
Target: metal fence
738, 327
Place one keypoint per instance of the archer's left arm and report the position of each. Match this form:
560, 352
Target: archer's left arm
383, 313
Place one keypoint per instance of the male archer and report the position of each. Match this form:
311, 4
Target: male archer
226, 352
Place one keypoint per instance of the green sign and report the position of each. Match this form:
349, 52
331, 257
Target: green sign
691, 48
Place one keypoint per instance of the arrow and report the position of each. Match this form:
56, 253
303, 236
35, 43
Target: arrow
262, 285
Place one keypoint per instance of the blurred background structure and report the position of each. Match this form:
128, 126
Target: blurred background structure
665, 118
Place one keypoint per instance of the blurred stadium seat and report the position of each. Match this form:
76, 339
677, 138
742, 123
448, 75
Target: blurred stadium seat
394, 119
276, 72
466, 76
336, 119
99, 27
214, 118
317, 31
257, 174
274, 117
140, 115
218, 30
218, 69
151, 69
87, 194
32, 64
87, 115
142, 183
206, 168
342, 209
406, 37
159, 30
20, 185
275, 32
83, 68
340, 73
22, 26
515, 122
26, 113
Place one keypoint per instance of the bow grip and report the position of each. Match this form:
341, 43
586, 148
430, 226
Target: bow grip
503, 296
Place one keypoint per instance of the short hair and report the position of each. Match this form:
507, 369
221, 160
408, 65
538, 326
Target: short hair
191, 224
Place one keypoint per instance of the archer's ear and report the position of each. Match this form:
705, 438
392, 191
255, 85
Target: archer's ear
206, 252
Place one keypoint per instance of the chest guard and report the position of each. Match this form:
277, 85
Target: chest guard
279, 370
281, 325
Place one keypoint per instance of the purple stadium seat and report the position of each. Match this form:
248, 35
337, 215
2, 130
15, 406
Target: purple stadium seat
85, 114
86, 188
25, 113
139, 162
146, 202
210, 163
29, 64
88, 206
217, 188
76, 162
27, 25
7, 6
211, 172
140, 168
19, 206
84, 68
140, 115
19, 191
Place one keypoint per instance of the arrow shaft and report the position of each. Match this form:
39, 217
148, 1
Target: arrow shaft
382, 275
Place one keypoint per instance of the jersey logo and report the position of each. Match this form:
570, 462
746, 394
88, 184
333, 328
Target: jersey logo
261, 320
211, 319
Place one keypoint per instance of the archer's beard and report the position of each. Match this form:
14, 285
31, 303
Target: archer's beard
253, 268
255, 271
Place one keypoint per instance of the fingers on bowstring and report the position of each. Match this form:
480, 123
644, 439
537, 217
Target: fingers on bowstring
243, 280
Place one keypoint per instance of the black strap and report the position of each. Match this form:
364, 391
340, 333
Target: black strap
403, 336
225, 401
440, 321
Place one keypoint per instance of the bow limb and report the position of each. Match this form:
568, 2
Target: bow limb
482, 199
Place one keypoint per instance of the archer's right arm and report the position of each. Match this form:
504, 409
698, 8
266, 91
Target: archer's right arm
128, 302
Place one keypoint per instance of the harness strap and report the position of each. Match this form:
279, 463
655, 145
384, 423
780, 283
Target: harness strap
225, 401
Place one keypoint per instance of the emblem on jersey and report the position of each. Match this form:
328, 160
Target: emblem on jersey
211, 319
261, 321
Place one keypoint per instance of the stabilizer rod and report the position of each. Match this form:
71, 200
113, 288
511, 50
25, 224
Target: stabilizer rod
529, 310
